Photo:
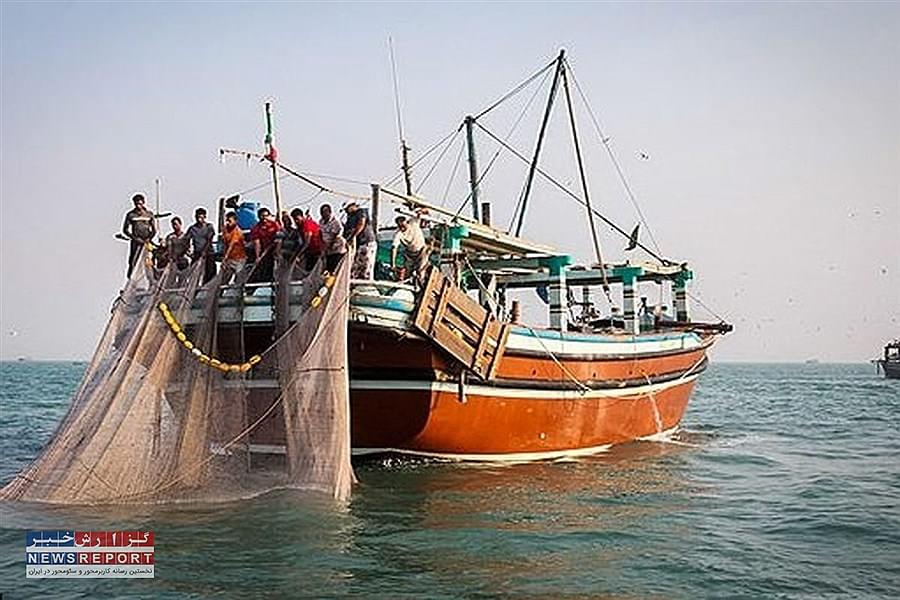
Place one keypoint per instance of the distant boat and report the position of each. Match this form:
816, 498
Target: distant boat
890, 363
811, 361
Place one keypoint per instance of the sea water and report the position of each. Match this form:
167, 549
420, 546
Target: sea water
784, 482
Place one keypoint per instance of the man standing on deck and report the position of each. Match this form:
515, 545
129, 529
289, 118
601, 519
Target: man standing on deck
139, 227
358, 227
333, 245
409, 236
202, 235
177, 245
266, 245
235, 255
309, 237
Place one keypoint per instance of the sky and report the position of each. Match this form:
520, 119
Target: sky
761, 140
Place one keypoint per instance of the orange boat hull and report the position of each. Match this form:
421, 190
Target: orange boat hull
439, 422
406, 396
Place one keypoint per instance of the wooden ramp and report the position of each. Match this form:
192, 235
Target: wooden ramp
460, 325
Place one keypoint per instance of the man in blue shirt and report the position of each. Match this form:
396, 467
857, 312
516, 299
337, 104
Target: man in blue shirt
359, 228
201, 235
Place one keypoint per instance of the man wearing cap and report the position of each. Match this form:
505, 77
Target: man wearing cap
139, 227
409, 236
358, 227
202, 235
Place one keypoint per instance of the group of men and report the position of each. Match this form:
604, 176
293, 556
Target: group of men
296, 236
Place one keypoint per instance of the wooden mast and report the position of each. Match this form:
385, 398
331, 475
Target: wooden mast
473, 165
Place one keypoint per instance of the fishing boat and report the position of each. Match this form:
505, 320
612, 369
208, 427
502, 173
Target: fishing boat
890, 362
209, 389
448, 368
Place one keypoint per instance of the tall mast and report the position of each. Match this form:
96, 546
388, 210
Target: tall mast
540, 141
473, 165
272, 155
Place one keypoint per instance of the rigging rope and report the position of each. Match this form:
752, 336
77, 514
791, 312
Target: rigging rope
515, 90
427, 153
437, 161
505, 97
571, 194
512, 130
604, 140
582, 388
704, 305
462, 147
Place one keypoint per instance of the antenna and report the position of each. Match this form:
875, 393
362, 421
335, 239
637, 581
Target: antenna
404, 149
272, 156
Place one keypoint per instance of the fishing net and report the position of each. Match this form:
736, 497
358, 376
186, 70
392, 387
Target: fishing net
181, 384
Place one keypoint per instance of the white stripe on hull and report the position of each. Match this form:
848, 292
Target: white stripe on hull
508, 457
517, 393
625, 345
511, 457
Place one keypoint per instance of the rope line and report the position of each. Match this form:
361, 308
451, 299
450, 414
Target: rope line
583, 388
515, 90
604, 140
414, 163
512, 130
571, 194
438, 160
456, 164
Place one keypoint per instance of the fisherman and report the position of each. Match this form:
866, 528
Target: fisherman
409, 236
358, 227
235, 255
202, 235
309, 237
266, 245
177, 245
661, 315
139, 227
333, 245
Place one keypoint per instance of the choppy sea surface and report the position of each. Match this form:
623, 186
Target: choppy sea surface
783, 483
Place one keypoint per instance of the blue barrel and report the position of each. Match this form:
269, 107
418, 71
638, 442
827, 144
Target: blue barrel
246, 214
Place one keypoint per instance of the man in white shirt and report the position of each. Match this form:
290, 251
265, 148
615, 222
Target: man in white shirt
409, 236
334, 245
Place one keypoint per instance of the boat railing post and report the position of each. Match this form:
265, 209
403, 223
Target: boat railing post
632, 322
376, 193
682, 311
487, 292
559, 311
453, 247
